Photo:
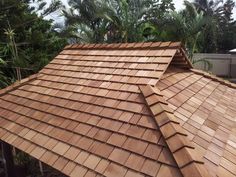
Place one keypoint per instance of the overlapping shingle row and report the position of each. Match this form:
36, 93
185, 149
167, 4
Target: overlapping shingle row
114, 110
84, 113
183, 151
205, 107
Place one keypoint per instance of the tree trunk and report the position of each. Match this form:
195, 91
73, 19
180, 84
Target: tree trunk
9, 163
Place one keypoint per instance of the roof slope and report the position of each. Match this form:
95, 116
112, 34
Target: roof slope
205, 106
183, 151
87, 113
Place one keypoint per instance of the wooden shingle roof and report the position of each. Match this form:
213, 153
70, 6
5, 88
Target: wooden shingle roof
111, 110
205, 107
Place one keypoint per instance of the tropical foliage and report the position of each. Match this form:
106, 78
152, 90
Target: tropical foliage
113, 20
28, 41
203, 25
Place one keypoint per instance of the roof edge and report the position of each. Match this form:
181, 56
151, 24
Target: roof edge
186, 58
18, 84
175, 137
180, 59
214, 78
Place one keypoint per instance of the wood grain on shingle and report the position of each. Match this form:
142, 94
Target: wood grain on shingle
89, 112
207, 114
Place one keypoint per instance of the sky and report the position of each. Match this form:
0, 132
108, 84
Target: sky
178, 5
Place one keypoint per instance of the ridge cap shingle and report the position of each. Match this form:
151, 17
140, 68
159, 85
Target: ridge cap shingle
138, 45
176, 139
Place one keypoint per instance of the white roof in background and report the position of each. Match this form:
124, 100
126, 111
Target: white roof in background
232, 51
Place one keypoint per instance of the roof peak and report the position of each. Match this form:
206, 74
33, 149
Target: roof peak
139, 45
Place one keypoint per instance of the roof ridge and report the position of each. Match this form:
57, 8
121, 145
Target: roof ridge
176, 138
214, 78
17, 84
140, 45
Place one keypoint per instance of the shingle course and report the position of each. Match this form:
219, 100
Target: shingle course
89, 112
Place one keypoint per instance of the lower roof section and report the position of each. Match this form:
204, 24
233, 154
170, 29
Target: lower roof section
79, 133
205, 106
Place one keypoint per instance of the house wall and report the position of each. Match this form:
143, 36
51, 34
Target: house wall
223, 65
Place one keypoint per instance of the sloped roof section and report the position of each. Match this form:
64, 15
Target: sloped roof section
183, 151
84, 113
110, 110
205, 107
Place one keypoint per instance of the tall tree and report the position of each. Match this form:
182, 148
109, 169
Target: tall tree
84, 20
210, 10
126, 19
185, 26
218, 34
27, 40
112, 20
227, 28
209, 7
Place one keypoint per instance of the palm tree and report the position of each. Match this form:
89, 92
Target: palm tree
213, 10
84, 20
126, 19
110, 20
185, 26
209, 7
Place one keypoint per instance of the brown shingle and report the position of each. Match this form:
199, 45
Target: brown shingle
86, 112
38, 152
114, 170
78, 171
61, 148
72, 153
82, 156
102, 165
116, 139
168, 171
135, 162
136, 146
68, 167
150, 167
132, 174
153, 151
119, 156
92, 161
60, 163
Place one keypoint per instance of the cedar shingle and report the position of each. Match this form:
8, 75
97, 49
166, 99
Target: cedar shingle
60, 163
119, 156
68, 167
114, 170
168, 171
150, 167
78, 171
87, 108
136, 146
135, 162
117, 139
92, 161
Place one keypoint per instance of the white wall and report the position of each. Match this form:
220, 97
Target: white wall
222, 64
